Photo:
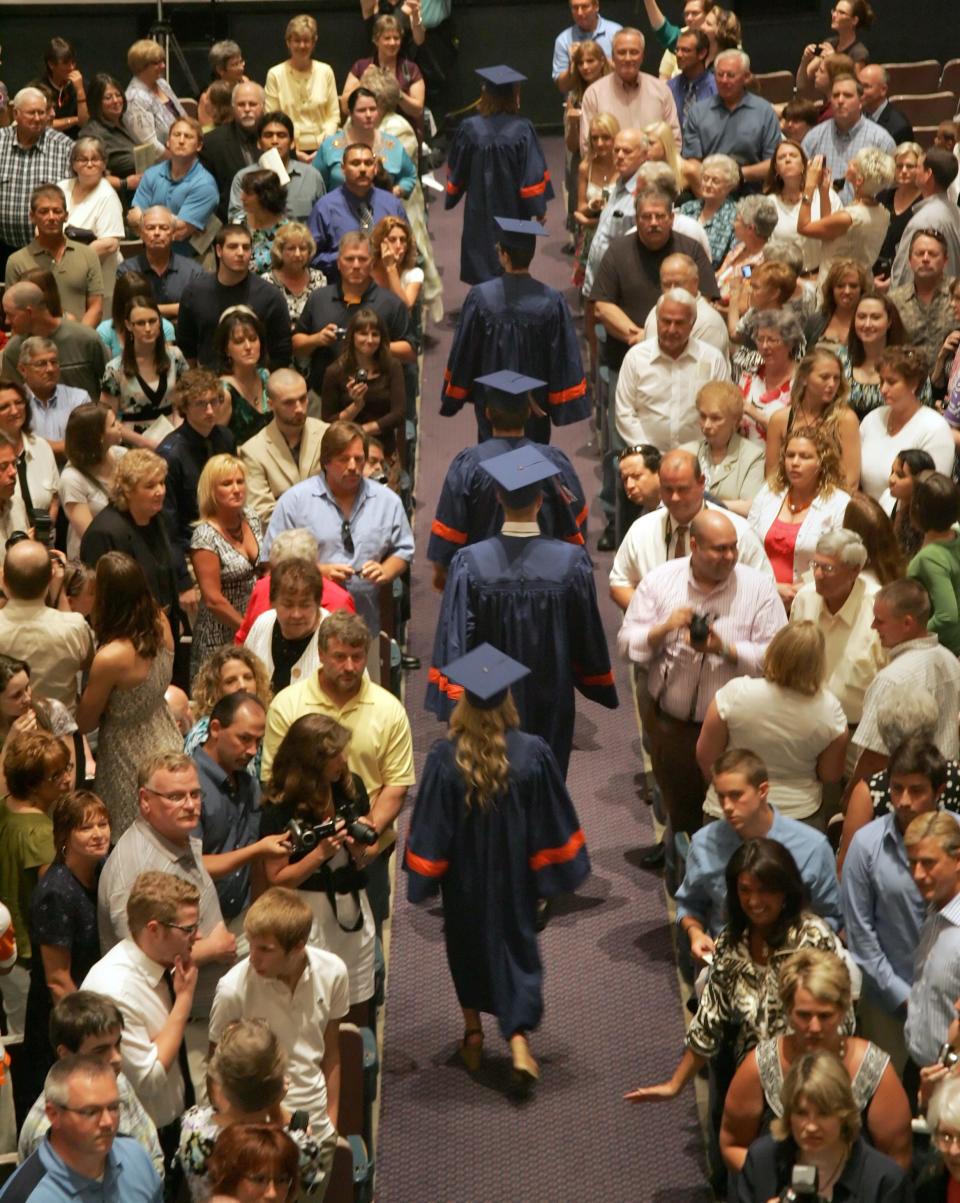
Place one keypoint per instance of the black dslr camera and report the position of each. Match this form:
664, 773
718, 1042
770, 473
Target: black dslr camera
804, 1184
306, 836
699, 630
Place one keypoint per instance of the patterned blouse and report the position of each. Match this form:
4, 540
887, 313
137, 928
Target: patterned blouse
865, 1080
138, 402
237, 578
296, 303
719, 229
741, 999
198, 1134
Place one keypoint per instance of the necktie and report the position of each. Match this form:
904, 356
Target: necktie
680, 547
689, 100
189, 1097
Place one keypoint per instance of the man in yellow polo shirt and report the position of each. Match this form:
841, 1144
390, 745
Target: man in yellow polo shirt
380, 751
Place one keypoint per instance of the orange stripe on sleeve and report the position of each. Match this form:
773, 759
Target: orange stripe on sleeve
578, 539
568, 394
582, 516
558, 856
536, 189
425, 867
599, 679
448, 532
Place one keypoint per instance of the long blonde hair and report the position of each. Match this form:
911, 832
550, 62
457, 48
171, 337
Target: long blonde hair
481, 740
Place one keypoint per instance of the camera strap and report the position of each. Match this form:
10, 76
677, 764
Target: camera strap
25, 487
331, 891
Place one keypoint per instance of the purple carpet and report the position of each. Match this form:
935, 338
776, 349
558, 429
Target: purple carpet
612, 1010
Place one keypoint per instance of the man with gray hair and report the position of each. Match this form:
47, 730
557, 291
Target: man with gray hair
735, 122
169, 274
680, 271
839, 600
634, 98
660, 377
901, 611
287, 450
51, 401
233, 145
83, 354
30, 154
83, 1155
876, 103
75, 267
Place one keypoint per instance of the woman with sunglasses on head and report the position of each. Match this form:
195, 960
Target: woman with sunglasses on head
240, 346
124, 692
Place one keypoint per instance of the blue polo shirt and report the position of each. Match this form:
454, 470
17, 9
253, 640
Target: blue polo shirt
703, 892
602, 35
191, 199
229, 819
45, 1178
749, 133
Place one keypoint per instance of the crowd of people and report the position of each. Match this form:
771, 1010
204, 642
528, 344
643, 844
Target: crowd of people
210, 409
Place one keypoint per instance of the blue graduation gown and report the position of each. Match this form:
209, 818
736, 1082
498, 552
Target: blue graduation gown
498, 163
468, 510
491, 864
519, 324
535, 599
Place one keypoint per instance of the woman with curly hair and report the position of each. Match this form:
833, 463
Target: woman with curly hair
493, 829
395, 255
311, 784
124, 693
798, 504
818, 400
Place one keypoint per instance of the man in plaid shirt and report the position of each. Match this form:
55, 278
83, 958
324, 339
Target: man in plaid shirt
30, 154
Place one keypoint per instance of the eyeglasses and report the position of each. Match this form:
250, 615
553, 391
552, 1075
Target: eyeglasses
826, 569
87, 162
188, 929
94, 1111
346, 534
283, 1182
179, 797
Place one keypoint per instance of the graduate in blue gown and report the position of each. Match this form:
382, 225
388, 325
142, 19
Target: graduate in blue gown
516, 322
493, 829
496, 159
533, 598
468, 509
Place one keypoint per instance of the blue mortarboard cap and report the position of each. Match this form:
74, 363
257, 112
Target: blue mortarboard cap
500, 77
519, 473
510, 389
513, 227
486, 674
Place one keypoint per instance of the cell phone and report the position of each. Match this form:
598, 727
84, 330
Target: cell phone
746, 272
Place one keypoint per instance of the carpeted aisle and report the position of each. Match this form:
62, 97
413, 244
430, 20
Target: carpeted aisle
612, 1017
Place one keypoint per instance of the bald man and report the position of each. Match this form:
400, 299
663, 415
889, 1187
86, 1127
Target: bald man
695, 623
169, 274
287, 450
680, 271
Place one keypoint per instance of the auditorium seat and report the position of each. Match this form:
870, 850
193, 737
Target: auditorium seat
929, 109
913, 78
774, 86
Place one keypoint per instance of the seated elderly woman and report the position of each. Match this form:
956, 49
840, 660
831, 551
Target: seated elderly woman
247, 1083
816, 995
753, 225
858, 229
820, 1129
795, 506
768, 922
715, 211
732, 466
152, 105
818, 398
939, 1180
778, 336
911, 713
788, 718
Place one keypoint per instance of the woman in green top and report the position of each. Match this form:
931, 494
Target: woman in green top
240, 345
37, 769
934, 511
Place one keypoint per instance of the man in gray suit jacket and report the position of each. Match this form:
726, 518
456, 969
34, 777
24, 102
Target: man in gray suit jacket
286, 451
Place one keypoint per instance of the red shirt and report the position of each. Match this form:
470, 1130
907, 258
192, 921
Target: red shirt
335, 597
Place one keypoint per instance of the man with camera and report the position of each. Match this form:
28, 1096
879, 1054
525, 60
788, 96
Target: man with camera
229, 824
695, 623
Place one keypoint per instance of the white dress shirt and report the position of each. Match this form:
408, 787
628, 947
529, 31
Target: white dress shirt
926, 663
709, 327
656, 394
135, 983
854, 651
745, 612
652, 540
299, 1020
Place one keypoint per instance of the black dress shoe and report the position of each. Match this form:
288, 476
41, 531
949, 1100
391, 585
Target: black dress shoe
608, 540
543, 913
653, 858
409, 663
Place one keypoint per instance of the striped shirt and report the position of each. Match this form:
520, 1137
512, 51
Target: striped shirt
936, 983
21, 170
745, 610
